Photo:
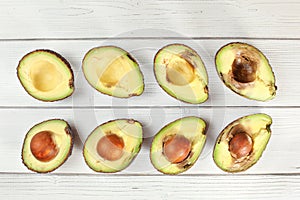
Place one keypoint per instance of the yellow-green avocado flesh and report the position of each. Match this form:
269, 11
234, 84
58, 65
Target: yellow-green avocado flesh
181, 73
131, 133
113, 71
62, 137
257, 126
192, 128
46, 75
262, 87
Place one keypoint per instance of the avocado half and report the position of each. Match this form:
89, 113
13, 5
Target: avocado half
113, 71
242, 142
181, 73
246, 71
46, 75
112, 146
177, 146
47, 145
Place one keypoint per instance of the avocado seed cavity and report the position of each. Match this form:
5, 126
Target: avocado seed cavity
43, 146
110, 147
240, 145
179, 71
176, 148
244, 69
117, 70
44, 75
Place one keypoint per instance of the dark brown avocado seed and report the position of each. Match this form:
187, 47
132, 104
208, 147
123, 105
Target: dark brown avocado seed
244, 69
240, 145
176, 148
110, 147
43, 147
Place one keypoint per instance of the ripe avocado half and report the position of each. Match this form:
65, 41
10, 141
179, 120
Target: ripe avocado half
112, 146
46, 75
177, 146
113, 71
47, 145
246, 71
181, 73
242, 142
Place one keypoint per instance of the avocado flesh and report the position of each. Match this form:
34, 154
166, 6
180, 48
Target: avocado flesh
262, 88
180, 71
257, 126
112, 71
127, 129
192, 128
46, 75
62, 137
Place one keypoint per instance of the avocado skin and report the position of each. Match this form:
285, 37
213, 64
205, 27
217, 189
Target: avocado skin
68, 131
60, 57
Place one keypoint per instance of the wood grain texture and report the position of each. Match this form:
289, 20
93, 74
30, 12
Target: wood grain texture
77, 19
24, 186
283, 56
279, 156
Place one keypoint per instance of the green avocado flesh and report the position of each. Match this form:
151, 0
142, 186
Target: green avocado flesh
116, 154
47, 145
191, 129
246, 71
112, 71
46, 75
257, 129
180, 72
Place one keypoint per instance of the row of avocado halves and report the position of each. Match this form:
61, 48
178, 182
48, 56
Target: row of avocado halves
178, 69
112, 146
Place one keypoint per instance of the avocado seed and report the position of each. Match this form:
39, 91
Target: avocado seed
110, 147
43, 146
240, 145
176, 148
244, 69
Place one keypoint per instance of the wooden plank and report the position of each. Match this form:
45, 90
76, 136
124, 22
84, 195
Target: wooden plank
26, 186
285, 65
85, 19
280, 156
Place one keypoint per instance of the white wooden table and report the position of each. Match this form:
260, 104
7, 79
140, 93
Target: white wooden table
72, 27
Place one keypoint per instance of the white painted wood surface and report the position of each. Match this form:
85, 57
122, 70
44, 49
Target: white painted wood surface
72, 27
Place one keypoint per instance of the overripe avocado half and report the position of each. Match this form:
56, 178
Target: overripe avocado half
112, 146
47, 145
177, 146
113, 71
246, 71
242, 142
180, 72
46, 75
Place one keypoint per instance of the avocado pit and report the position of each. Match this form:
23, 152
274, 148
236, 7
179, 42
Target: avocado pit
240, 145
43, 146
244, 69
176, 148
110, 147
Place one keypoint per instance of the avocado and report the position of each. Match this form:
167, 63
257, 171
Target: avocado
181, 73
177, 146
246, 71
113, 71
112, 146
47, 145
242, 142
46, 75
